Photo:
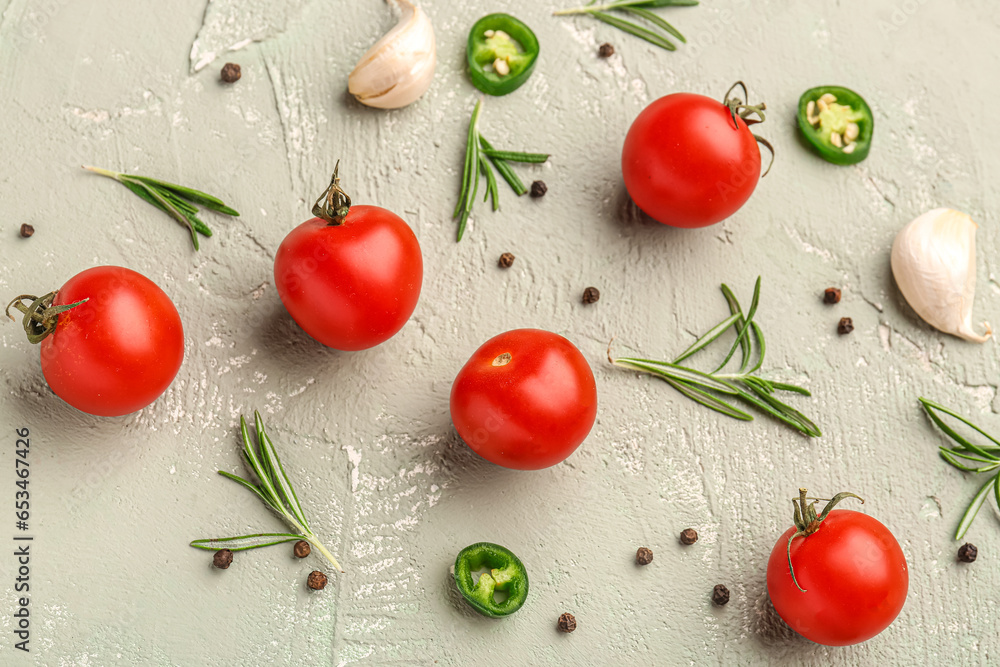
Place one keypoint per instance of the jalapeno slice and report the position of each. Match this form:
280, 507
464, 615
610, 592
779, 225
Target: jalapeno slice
506, 574
502, 52
838, 122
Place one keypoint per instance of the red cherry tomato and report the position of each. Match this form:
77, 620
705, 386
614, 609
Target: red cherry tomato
854, 575
117, 352
350, 286
525, 400
686, 164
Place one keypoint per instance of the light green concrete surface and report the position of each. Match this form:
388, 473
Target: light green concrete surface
367, 435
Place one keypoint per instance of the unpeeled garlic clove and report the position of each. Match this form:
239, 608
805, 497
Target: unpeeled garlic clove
934, 263
398, 69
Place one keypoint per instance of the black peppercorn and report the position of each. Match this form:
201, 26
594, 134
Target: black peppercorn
720, 595
567, 623
223, 559
606, 50
538, 189
831, 295
644, 556
689, 536
967, 553
846, 326
506, 260
27, 230
591, 295
231, 73
302, 549
316, 580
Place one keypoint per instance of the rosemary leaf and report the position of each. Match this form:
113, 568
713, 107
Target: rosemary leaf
491, 182
653, 38
735, 309
679, 373
192, 195
513, 156
656, 20
931, 408
658, 36
950, 457
253, 487
505, 170
973, 509
710, 337
966, 455
470, 144
781, 411
279, 477
709, 401
260, 468
781, 386
741, 334
653, 4
244, 542
198, 225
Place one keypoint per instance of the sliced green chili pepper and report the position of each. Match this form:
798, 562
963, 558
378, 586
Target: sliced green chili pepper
502, 52
506, 574
838, 122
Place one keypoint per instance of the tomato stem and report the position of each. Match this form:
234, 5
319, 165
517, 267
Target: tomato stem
40, 316
808, 522
334, 204
744, 110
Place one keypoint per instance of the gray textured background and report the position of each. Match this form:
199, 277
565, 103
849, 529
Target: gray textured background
386, 482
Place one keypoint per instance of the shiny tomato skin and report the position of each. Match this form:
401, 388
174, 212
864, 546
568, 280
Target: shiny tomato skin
354, 285
854, 574
119, 351
532, 411
686, 165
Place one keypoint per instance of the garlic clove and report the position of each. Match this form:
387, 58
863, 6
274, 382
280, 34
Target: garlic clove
399, 68
934, 263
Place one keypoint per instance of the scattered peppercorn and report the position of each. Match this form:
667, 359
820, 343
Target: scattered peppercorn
967, 553
606, 50
831, 295
231, 73
591, 295
689, 536
506, 260
223, 559
302, 549
316, 580
27, 230
567, 622
846, 326
538, 189
644, 556
720, 595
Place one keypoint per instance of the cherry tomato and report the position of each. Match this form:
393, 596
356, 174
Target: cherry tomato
525, 400
685, 162
854, 575
117, 352
352, 281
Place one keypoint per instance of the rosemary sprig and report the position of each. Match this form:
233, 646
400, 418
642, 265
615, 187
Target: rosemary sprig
655, 30
174, 200
482, 158
275, 489
717, 389
987, 454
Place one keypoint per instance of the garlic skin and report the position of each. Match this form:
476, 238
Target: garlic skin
934, 263
398, 69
